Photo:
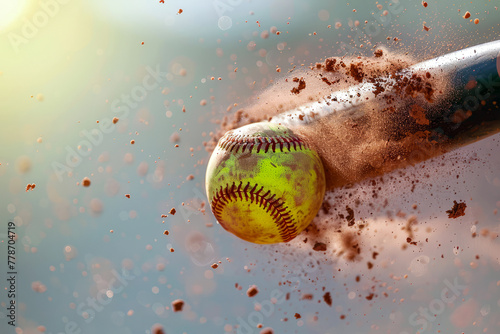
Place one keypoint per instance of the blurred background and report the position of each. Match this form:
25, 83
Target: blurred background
96, 259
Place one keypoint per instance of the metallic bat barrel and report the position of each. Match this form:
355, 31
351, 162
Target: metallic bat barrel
358, 134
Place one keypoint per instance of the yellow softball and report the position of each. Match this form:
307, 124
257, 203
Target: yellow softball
264, 184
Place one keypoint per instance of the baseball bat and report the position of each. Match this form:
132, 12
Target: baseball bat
358, 134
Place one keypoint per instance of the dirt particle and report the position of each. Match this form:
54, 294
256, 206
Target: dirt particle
350, 216
86, 182
356, 72
330, 65
378, 53
267, 330
466, 15
307, 296
177, 305
319, 247
327, 298
458, 210
252, 291
172, 211
300, 87
30, 187
157, 329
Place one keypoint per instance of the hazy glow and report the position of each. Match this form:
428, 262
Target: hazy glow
10, 10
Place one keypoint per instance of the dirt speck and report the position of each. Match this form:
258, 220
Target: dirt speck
177, 305
300, 87
327, 298
378, 53
319, 247
157, 329
252, 291
350, 216
86, 182
267, 330
458, 210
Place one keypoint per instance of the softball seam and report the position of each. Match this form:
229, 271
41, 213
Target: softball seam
282, 217
233, 141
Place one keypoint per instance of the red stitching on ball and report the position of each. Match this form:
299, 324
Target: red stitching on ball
274, 206
233, 141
